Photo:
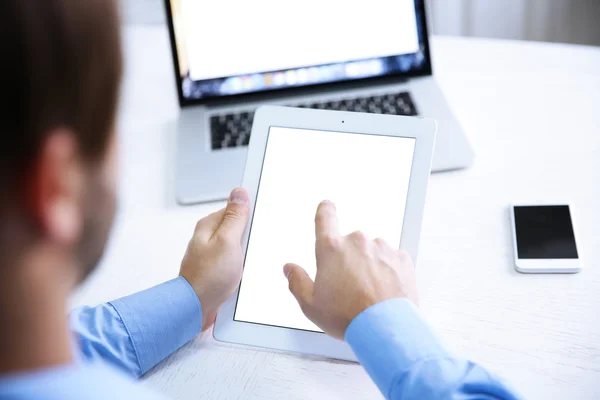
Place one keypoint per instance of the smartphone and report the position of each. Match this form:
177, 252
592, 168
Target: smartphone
544, 239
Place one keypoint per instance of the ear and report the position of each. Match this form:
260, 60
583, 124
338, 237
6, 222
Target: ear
55, 188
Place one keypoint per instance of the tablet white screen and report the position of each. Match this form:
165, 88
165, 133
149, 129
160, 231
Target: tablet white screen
366, 176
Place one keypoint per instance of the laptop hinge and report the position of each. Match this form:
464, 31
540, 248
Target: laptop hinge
304, 91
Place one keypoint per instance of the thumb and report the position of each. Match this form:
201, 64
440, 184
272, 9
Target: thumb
301, 286
236, 213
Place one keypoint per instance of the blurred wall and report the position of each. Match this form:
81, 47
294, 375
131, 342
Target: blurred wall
569, 21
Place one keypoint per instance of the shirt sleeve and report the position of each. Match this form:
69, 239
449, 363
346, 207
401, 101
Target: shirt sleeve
74, 382
136, 332
407, 360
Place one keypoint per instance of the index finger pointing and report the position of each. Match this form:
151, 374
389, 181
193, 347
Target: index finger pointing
326, 222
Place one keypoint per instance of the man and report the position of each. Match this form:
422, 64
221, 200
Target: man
60, 85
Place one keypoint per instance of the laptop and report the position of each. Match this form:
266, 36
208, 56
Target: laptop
231, 56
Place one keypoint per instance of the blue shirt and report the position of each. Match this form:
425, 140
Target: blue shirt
121, 340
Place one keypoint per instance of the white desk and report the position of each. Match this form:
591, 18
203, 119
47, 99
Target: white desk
532, 112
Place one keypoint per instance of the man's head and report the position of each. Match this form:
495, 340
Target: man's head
59, 87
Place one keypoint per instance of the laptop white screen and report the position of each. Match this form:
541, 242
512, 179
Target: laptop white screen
239, 37
230, 47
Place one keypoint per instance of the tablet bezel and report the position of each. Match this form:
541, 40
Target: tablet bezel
422, 129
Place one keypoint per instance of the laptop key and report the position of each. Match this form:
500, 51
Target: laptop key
233, 130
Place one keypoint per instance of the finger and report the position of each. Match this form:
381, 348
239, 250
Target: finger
209, 320
235, 217
326, 222
301, 286
380, 242
207, 226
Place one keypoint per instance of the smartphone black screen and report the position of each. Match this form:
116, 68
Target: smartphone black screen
544, 232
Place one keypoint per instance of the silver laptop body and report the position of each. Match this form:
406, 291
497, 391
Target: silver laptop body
216, 111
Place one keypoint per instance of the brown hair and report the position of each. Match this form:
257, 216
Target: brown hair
60, 66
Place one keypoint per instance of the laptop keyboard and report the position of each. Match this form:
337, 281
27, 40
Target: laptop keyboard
233, 130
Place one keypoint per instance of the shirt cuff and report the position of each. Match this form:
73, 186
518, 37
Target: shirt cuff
160, 320
389, 337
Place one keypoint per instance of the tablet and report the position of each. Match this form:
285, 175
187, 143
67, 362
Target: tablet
375, 168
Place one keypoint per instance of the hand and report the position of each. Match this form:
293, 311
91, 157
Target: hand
353, 273
213, 261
